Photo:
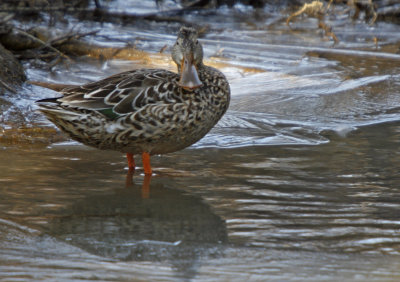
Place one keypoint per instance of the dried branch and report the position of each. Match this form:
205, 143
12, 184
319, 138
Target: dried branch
71, 36
314, 8
8, 87
42, 43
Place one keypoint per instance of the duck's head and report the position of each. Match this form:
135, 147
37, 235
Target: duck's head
187, 53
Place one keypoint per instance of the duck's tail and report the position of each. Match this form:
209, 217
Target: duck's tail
53, 86
56, 110
80, 124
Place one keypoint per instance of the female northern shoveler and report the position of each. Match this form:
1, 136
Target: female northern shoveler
145, 111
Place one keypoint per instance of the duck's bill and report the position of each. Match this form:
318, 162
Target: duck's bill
189, 77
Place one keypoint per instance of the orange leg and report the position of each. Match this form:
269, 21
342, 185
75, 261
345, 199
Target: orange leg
131, 161
146, 163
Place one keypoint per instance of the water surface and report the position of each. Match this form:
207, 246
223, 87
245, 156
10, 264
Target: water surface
298, 181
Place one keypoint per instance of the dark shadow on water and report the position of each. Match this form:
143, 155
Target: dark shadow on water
133, 224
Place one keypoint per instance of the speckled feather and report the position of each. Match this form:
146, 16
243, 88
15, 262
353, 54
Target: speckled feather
143, 110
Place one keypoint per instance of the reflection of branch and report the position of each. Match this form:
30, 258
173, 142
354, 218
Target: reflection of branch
328, 31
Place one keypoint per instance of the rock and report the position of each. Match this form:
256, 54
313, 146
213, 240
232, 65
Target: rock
11, 71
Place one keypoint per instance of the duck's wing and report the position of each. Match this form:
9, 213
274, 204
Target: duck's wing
122, 93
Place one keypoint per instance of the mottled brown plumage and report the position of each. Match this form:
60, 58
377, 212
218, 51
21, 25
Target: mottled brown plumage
150, 111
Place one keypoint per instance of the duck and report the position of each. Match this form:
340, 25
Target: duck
145, 111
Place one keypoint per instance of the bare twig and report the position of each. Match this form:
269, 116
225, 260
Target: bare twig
163, 48
7, 18
97, 3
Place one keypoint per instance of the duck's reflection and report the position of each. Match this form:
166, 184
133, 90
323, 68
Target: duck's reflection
145, 186
157, 224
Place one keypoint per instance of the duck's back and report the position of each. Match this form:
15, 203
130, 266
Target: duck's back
123, 93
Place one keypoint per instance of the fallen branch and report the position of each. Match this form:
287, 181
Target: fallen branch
313, 9
42, 43
7, 87
71, 36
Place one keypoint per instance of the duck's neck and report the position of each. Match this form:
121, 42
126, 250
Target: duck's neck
200, 66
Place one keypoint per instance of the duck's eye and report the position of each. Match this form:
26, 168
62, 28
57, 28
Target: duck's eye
197, 42
177, 43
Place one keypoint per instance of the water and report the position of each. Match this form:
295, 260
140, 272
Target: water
299, 180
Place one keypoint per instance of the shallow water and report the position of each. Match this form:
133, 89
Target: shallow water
299, 180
